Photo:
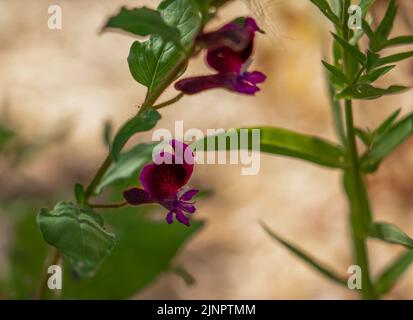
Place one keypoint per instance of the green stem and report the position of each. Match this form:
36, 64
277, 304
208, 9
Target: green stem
170, 101
108, 205
360, 215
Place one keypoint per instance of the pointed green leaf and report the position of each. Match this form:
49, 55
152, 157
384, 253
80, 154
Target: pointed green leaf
350, 49
277, 141
398, 41
364, 136
150, 61
326, 10
386, 25
337, 75
386, 125
145, 121
387, 143
389, 277
368, 92
375, 74
325, 271
78, 233
144, 22
390, 233
393, 58
127, 168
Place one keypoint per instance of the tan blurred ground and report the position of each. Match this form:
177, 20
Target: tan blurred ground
80, 76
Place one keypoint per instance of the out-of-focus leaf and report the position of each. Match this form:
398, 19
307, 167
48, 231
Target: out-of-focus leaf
26, 256
107, 134
326, 10
390, 233
277, 141
366, 91
5, 136
150, 61
350, 49
144, 22
387, 143
144, 250
337, 76
145, 121
325, 271
393, 272
79, 235
184, 274
127, 167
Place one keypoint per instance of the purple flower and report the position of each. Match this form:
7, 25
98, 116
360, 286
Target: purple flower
228, 52
164, 182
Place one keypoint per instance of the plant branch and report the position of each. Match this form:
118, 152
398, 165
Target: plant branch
170, 101
108, 205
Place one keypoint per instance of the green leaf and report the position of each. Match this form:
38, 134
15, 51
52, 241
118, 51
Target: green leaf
389, 277
144, 250
386, 25
277, 141
393, 58
6, 135
26, 253
337, 75
150, 61
365, 6
350, 49
144, 121
144, 22
127, 168
390, 233
78, 233
375, 74
368, 92
386, 125
364, 136
305, 257
107, 133
326, 10
394, 137
398, 41
336, 7
80, 194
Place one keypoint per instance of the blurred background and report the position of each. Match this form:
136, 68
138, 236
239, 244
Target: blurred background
59, 87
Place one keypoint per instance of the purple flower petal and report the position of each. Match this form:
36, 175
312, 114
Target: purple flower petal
170, 217
254, 77
188, 195
163, 181
232, 35
181, 217
190, 208
197, 84
136, 196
